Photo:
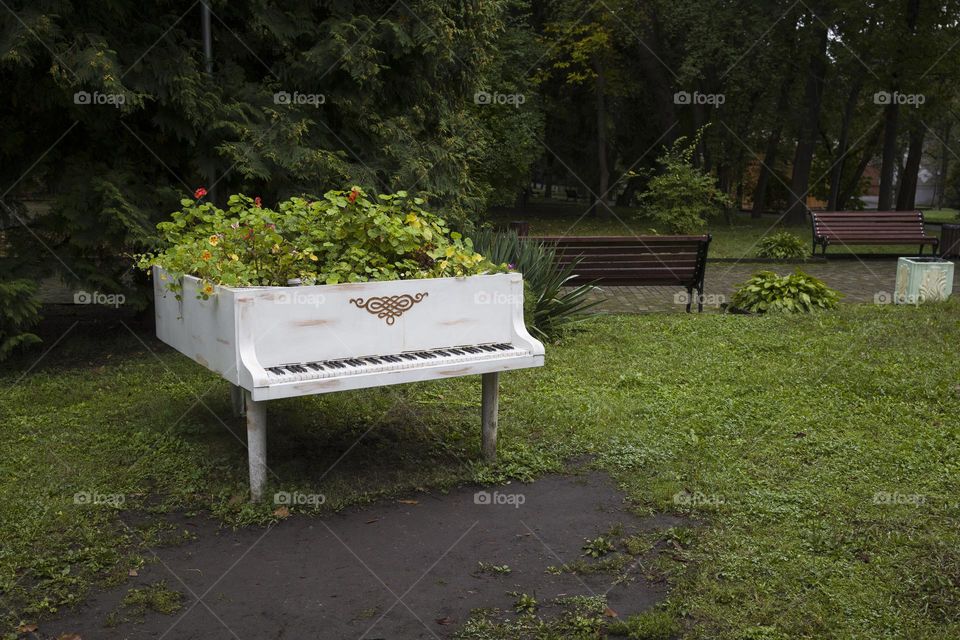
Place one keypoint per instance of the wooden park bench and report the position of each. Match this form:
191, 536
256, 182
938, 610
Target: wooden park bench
869, 227
636, 260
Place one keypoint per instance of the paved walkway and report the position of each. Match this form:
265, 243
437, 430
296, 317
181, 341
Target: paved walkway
868, 281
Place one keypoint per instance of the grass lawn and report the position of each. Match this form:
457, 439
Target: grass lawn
820, 454
737, 239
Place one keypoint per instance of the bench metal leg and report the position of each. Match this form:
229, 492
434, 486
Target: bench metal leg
256, 445
490, 409
689, 298
236, 399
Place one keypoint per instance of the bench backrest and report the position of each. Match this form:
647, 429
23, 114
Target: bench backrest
634, 260
868, 224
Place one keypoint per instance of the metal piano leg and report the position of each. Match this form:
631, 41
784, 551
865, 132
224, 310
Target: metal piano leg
236, 398
491, 404
256, 445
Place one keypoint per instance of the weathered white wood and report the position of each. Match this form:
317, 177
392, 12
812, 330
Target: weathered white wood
239, 332
204, 330
489, 415
256, 446
236, 399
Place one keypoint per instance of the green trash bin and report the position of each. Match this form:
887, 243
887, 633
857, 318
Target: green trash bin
950, 241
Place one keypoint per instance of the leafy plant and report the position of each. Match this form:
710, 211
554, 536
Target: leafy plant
782, 246
493, 569
553, 300
343, 237
682, 197
797, 293
19, 310
598, 547
525, 603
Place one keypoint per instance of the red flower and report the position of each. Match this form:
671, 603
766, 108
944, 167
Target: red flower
199, 193
353, 195
257, 201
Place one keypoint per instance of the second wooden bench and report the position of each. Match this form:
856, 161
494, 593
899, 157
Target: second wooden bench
636, 260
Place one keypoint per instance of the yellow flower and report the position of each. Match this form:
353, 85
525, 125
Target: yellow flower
276, 248
206, 255
214, 240
234, 257
208, 288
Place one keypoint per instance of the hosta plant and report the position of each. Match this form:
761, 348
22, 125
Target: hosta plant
345, 236
797, 293
782, 245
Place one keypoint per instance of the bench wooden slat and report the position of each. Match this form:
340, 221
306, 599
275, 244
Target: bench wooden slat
634, 260
869, 227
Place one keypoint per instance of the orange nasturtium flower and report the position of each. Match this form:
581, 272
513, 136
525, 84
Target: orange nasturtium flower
206, 255
208, 288
214, 240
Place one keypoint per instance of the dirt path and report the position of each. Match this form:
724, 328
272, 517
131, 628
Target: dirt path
390, 570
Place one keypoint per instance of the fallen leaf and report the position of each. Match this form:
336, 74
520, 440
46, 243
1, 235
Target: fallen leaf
69, 636
374, 520
445, 620
133, 573
26, 628
408, 501
610, 613
281, 512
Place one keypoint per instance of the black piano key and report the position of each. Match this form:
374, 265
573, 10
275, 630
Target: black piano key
277, 370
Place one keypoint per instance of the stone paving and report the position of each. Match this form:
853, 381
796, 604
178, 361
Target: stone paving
868, 281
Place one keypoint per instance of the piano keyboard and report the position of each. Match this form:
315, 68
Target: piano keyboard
377, 364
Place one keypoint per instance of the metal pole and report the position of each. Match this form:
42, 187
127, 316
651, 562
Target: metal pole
207, 38
208, 65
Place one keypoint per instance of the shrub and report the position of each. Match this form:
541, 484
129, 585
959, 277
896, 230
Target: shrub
342, 237
682, 197
19, 310
551, 299
797, 293
782, 246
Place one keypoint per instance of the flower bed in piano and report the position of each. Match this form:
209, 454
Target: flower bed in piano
344, 236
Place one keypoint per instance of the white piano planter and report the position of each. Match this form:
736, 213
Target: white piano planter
280, 342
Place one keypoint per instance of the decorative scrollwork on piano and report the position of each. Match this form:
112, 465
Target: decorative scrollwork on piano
388, 308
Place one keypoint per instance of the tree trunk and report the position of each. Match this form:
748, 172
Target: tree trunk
770, 151
890, 116
806, 139
944, 165
836, 173
548, 178
602, 167
869, 150
907, 196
